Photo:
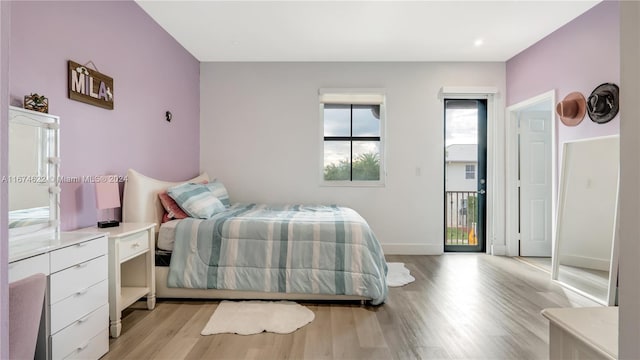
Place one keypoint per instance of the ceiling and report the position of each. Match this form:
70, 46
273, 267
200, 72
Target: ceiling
361, 30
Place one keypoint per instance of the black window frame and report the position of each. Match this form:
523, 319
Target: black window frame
351, 138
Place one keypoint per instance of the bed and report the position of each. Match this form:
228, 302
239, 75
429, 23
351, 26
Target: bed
29, 217
259, 251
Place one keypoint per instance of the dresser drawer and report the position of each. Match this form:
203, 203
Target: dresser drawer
78, 334
78, 253
132, 245
26, 267
76, 278
92, 349
78, 305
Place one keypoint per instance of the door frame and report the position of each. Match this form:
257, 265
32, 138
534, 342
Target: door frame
481, 173
512, 162
494, 150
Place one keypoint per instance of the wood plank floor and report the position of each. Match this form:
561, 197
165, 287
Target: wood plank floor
461, 306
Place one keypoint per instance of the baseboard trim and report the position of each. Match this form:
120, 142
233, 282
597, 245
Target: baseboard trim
498, 250
584, 262
413, 249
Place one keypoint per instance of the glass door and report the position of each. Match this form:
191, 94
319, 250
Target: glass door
465, 164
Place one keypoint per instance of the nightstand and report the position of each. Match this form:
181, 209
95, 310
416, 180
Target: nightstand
131, 268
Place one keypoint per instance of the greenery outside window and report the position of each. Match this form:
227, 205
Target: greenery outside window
352, 128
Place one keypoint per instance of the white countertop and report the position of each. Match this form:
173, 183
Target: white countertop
597, 326
32, 245
123, 229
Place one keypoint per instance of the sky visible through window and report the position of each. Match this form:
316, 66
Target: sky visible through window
337, 122
462, 126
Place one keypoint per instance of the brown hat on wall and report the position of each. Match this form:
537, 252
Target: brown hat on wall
572, 109
603, 103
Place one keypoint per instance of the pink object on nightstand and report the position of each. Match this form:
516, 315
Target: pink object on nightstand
107, 197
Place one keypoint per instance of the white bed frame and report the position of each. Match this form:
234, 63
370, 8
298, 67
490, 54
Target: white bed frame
141, 204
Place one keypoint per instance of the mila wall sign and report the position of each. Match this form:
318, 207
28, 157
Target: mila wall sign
90, 86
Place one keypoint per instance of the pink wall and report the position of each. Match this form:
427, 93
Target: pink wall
152, 74
577, 57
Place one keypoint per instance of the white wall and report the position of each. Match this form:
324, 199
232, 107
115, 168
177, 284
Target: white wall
260, 135
629, 281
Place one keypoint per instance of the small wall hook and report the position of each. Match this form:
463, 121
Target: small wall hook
168, 116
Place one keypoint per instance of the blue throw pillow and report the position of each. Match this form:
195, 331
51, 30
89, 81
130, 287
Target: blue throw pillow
196, 200
219, 191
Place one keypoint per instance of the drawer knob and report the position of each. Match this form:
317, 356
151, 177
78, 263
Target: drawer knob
84, 319
82, 347
80, 266
135, 245
81, 244
82, 292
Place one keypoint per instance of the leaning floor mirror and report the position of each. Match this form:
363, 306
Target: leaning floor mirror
585, 257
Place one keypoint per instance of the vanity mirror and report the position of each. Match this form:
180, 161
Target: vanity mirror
33, 172
585, 257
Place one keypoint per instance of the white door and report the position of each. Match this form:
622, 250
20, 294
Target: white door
535, 183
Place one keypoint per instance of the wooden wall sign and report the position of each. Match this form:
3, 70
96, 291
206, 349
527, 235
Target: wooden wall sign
90, 86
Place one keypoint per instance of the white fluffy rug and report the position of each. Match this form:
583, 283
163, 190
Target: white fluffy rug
398, 275
253, 317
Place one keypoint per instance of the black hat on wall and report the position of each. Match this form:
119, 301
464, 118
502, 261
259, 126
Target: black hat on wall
602, 105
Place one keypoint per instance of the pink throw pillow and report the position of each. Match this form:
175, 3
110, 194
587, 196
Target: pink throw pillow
171, 207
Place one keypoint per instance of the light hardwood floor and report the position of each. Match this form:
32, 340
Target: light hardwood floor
461, 306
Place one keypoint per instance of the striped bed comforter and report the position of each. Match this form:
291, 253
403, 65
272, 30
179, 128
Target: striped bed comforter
290, 248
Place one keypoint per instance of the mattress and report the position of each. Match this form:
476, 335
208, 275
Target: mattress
26, 217
167, 235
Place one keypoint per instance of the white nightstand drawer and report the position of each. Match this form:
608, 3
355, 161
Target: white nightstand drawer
75, 254
133, 245
29, 266
76, 278
77, 306
93, 348
76, 335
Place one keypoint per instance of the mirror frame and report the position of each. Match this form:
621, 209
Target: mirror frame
50, 122
611, 298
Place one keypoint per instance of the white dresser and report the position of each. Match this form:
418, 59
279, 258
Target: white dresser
583, 333
76, 312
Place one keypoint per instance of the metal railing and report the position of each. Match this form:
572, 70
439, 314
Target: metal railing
461, 218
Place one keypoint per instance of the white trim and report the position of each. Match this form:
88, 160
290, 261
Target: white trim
413, 249
467, 90
498, 249
355, 99
511, 161
494, 147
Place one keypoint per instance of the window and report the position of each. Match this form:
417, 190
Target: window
469, 172
352, 139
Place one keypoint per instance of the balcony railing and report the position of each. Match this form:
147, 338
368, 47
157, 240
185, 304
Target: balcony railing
461, 218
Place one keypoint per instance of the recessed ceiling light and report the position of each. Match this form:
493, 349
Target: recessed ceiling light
478, 42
